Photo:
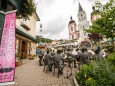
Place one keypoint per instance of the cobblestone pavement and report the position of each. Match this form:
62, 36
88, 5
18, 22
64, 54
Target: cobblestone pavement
31, 74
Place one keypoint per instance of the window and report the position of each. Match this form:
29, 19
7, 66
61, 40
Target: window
79, 19
84, 18
72, 36
71, 28
83, 27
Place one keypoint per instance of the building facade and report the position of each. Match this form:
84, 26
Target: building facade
82, 23
25, 36
73, 33
25, 30
95, 16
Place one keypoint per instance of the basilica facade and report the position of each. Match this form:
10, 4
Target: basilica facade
83, 23
76, 31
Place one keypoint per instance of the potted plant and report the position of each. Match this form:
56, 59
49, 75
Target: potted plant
18, 59
31, 56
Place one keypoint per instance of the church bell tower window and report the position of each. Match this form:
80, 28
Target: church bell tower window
71, 28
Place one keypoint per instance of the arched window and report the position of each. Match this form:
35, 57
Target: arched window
71, 28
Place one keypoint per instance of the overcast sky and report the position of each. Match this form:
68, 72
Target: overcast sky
55, 16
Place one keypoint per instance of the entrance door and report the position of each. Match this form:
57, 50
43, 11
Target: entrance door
24, 49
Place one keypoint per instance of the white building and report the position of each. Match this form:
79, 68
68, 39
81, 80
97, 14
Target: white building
26, 35
82, 23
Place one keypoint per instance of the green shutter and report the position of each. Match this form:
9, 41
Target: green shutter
2, 16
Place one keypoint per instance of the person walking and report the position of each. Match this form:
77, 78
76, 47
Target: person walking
83, 57
52, 53
75, 56
59, 58
37, 52
48, 59
97, 56
40, 55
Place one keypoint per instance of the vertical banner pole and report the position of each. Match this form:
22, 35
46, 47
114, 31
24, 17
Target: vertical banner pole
7, 49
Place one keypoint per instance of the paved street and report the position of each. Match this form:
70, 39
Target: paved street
31, 74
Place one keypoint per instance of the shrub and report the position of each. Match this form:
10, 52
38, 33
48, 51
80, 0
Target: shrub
84, 74
90, 82
100, 73
18, 56
111, 57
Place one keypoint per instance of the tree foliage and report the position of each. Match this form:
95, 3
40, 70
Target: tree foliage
94, 37
40, 39
97, 7
106, 24
25, 7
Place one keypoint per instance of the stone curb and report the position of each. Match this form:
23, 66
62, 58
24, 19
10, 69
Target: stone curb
75, 81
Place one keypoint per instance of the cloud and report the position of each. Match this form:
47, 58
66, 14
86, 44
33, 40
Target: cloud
53, 27
54, 18
56, 25
55, 14
103, 1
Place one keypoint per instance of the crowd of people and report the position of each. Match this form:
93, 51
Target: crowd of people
74, 56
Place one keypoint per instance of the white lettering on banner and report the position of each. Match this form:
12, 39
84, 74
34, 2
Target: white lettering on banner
3, 44
11, 41
7, 49
12, 24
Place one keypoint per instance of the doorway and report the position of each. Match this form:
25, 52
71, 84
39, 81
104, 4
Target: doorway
24, 49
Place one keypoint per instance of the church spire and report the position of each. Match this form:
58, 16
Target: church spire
80, 7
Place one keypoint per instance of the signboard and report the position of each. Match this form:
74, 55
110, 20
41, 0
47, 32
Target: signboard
7, 48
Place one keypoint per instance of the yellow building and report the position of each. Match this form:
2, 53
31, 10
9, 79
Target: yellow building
25, 36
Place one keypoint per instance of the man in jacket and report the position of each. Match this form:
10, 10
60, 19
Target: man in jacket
40, 55
59, 58
48, 59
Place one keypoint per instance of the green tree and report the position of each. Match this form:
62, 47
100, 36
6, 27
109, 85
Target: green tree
95, 37
25, 7
97, 7
43, 40
106, 24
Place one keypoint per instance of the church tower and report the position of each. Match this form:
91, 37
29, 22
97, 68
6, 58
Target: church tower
82, 23
73, 33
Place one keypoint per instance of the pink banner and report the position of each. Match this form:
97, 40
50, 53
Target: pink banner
7, 49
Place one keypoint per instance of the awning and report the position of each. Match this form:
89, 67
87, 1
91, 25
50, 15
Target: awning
20, 32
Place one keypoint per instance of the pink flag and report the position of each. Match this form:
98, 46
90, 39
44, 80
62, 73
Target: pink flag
7, 48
